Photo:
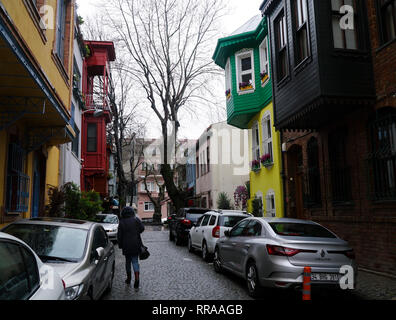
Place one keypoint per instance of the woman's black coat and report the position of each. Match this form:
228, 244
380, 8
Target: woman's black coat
128, 236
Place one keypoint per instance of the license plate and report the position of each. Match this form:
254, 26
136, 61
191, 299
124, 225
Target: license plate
330, 277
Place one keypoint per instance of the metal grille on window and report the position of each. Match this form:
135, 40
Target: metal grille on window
382, 159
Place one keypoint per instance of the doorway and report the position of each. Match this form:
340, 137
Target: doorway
295, 175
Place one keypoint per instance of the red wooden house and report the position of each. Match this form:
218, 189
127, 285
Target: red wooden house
95, 154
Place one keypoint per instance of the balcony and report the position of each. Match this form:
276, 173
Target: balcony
94, 102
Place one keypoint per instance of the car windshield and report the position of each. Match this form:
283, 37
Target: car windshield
106, 219
300, 230
230, 221
194, 216
52, 243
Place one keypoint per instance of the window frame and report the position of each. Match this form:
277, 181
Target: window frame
381, 25
228, 79
300, 25
264, 61
281, 46
265, 130
92, 138
239, 73
335, 13
255, 144
269, 197
150, 204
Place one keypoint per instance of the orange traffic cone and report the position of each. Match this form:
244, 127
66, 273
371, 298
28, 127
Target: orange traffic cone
307, 284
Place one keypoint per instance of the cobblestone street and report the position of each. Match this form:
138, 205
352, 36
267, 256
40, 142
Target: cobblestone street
172, 273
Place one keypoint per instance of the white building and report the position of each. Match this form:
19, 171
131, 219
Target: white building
220, 164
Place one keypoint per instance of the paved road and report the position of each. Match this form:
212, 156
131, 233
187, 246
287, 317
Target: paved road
172, 273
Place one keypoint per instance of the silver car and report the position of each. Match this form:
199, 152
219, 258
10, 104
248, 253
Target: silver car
272, 252
79, 251
110, 223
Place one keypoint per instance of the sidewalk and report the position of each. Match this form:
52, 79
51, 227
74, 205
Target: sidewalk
375, 287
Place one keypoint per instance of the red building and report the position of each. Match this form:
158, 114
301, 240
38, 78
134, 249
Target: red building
95, 151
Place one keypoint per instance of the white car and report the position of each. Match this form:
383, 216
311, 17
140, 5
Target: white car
110, 223
210, 227
23, 276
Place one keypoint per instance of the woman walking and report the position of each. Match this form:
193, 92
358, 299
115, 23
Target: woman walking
130, 242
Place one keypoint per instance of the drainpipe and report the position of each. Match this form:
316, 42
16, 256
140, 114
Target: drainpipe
283, 175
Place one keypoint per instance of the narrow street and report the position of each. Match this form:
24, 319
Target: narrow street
172, 273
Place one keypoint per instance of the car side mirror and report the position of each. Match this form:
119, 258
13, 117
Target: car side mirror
99, 253
227, 233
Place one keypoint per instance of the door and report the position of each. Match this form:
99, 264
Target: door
98, 278
295, 180
200, 231
229, 245
36, 188
194, 231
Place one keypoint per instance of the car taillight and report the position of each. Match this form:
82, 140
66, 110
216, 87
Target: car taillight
283, 251
216, 232
186, 222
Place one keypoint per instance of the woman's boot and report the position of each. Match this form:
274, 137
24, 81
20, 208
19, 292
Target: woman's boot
136, 285
129, 277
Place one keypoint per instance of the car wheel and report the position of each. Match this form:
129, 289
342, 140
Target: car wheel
252, 280
189, 245
178, 240
205, 252
217, 262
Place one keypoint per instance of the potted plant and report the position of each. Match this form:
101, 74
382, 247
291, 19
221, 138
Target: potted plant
264, 76
245, 86
228, 93
255, 164
266, 160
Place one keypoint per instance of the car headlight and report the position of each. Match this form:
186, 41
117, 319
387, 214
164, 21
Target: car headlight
73, 292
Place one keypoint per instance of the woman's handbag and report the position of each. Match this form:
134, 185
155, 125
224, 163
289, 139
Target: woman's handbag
144, 253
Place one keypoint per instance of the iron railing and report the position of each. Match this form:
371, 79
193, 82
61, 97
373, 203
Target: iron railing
97, 101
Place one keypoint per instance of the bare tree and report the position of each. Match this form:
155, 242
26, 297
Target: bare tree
151, 173
169, 43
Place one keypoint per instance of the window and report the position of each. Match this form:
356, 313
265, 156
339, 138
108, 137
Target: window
382, 159
18, 183
76, 77
238, 230
387, 17
60, 28
245, 71
313, 195
100, 240
255, 142
208, 154
19, 275
92, 133
205, 221
344, 38
264, 62
301, 30
270, 204
228, 79
212, 221
300, 230
267, 137
281, 46
197, 166
254, 229
76, 141
148, 206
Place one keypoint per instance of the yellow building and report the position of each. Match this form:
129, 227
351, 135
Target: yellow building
36, 62
265, 181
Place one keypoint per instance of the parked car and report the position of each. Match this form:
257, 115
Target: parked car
109, 222
80, 251
181, 222
272, 252
23, 276
210, 227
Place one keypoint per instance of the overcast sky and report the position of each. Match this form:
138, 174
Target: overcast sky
238, 12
